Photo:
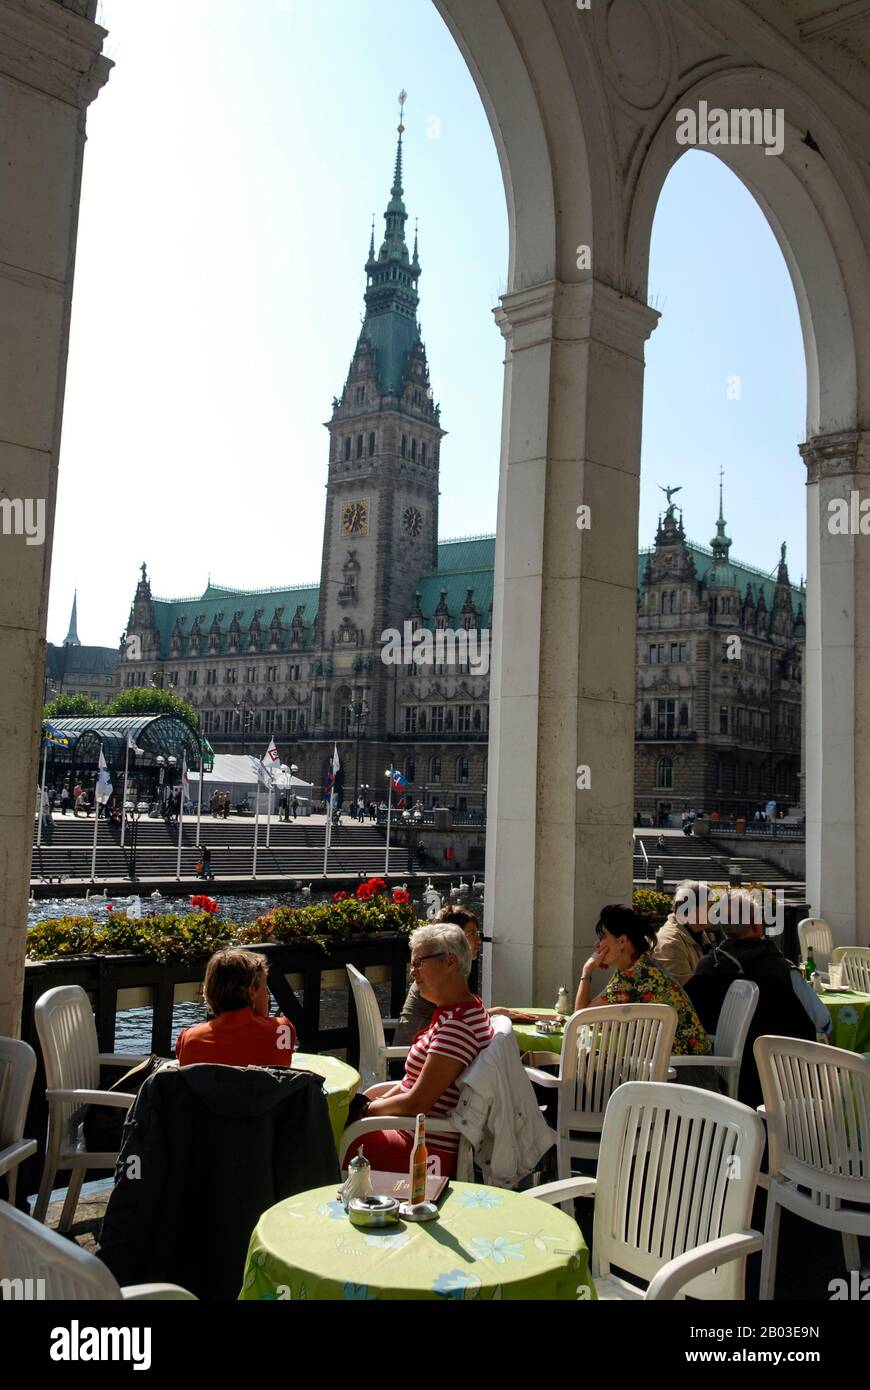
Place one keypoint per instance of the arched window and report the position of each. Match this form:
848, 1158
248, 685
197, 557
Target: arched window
647, 716
404, 446
414, 450
673, 602
435, 770
347, 449
665, 601
423, 453
371, 444
359, 446
684, 716
462, 770
664, 774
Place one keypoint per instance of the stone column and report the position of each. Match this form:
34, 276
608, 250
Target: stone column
837, 677
563, 683
50, 71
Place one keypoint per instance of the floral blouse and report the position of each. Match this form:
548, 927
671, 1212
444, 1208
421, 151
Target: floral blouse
646, 983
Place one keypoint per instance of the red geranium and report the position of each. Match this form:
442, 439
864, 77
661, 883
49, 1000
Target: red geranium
401, 896
204, 902
364, 892
339, 897
377, 885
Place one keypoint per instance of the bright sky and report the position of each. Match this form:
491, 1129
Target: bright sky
232, 167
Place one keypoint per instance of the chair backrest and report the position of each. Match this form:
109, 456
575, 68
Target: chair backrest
605, 1047
815, 932
854, 962
677, 1167
817, 1100
68, 1038
371, 1029
735, 1016
42, 1264
17, 1070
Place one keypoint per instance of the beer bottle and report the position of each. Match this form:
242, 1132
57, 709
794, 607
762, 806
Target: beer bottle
811, 964
419, 1158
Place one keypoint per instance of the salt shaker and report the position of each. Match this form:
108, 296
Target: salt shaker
563, 1003
359, 1180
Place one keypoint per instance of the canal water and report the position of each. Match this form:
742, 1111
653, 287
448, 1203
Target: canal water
133, 1026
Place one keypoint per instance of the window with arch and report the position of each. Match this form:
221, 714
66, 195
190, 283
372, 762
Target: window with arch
666, 599
359, 446
435, 770
347, 449
423, 452
684, 716
462, 771
664, 774
673, 601
414, 450
404, 446
371, 443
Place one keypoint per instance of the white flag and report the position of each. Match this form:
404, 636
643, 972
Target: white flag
271, 759
103, 788
131, 744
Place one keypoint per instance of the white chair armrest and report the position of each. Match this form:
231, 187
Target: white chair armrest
395, 1052
139, 1293
541, 1059
678, 1272
380, 1088
122, 1059
16, 1153
373, 1123
691, 1060
558, 1192
122, 1099
543, 1078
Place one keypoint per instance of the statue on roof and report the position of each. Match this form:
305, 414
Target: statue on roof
670, 492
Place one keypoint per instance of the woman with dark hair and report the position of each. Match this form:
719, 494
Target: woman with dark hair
240, 1032
625, 939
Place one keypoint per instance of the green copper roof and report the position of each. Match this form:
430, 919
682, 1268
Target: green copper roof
391, 292
729, 574
224, 604
462, 565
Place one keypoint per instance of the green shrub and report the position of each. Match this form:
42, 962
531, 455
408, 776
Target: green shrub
650, 902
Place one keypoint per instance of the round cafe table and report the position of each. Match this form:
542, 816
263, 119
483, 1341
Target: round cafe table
850, 1014
340, 1082
486, 1244
530, 1040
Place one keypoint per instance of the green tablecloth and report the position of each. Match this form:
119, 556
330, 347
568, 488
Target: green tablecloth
532, 1041
340, 1082
486, 1244
851, 1017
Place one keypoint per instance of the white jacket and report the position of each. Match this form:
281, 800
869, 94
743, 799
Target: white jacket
498, 1112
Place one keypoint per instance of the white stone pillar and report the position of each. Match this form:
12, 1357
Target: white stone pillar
50, 71
563, 681
837, 675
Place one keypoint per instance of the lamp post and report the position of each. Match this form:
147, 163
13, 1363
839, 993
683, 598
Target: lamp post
134, 810
359, 713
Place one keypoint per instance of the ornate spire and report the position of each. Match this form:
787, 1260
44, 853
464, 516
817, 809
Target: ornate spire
72, 637
721, 542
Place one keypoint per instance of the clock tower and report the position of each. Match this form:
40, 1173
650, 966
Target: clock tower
381, 524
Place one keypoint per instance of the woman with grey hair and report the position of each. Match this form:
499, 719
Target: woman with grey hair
459, 1030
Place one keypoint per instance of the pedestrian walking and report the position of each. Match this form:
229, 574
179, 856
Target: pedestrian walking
77, 796
294, 806
64, 799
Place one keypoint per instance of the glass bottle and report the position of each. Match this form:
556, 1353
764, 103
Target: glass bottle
419, 1160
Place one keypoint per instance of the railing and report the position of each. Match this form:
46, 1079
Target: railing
645, 855
761, 830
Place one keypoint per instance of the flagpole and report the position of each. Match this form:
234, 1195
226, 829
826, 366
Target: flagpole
124, 803
96, 823
269, 791
256, 827
328, 831
41, 798
181, 813
199, 798
389, 813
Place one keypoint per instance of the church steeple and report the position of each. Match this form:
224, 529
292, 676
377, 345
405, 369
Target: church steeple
72, 637
721, 542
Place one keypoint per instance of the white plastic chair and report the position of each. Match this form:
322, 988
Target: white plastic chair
17, 1070
817, 1107
729, 1040
41, 1260
673, 1196
373, 1050
854, 961
465, 1158
68, 1037
815, 932
601, 1049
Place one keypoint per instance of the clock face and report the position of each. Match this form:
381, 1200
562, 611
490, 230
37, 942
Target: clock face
355, 519
412, 521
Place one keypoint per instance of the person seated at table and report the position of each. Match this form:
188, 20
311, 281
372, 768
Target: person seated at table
787, 1006
625, 942
240, 1033
682, 940
459, 1030
416, 1011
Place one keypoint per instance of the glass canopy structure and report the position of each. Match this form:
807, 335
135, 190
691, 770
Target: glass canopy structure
155, 735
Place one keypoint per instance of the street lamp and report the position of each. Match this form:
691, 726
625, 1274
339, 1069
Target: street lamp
359, 713
134, 810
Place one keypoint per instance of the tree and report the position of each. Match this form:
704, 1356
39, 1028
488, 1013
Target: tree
72, 707
149, 700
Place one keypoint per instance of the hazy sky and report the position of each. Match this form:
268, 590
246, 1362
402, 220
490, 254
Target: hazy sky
232, 168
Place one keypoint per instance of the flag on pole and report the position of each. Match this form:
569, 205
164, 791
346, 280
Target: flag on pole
207, 755
332, 775
398, 783
53, 738
103, 789
185, 784
271, 759
131, 745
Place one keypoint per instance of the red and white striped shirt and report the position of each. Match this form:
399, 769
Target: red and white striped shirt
460, 1031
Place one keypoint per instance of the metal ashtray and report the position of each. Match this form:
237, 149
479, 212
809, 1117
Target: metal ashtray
420, 1211
547, 1028
373, 1211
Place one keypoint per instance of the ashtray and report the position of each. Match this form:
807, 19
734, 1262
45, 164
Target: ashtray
547, 1029
373, 1211
421, 1211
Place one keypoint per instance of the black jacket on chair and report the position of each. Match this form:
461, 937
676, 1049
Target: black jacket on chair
216, 1147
